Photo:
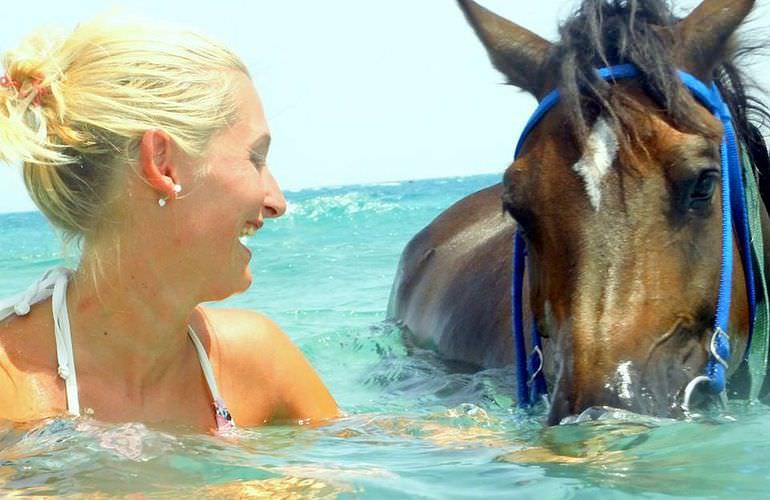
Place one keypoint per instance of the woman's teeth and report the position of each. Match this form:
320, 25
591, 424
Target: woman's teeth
247, 231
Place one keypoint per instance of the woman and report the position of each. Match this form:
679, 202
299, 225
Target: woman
148, 147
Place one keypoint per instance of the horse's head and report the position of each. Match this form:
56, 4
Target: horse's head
617, 192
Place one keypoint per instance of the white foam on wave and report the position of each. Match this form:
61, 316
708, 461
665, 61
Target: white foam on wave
341, 204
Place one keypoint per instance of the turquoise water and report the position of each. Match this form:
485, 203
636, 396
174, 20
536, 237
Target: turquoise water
413, 427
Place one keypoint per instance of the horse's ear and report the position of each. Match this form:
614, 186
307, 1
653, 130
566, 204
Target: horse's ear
515, 51
704, 34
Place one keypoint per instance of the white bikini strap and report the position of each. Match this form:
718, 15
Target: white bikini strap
208, 372
52, 284
40, 290
64, 352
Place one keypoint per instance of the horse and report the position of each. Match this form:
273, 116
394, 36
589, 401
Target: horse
616, 195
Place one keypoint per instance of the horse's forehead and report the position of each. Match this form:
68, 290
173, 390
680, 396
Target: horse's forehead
599, 153
655, 147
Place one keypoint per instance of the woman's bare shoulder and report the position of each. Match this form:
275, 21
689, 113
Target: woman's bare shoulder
8, 371
240, 331
257, 358
248, 341
28, 341
28, 387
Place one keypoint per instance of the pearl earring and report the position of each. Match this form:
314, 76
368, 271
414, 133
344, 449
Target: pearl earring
162, 201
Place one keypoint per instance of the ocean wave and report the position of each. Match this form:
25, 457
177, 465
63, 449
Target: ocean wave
345, 204
387, 184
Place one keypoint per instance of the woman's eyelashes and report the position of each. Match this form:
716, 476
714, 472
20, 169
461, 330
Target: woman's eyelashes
259, 160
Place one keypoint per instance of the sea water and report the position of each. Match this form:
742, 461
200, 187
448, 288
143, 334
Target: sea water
413, 426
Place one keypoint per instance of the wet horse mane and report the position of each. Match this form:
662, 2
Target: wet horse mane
603, 33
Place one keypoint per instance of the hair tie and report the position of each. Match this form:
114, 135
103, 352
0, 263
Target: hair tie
8, 82
37, 87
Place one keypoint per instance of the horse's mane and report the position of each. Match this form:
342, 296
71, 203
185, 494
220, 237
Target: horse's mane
608, 32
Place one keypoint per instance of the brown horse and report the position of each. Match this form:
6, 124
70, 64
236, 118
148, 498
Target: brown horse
617, 193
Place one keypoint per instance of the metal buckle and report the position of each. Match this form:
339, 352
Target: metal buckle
689, 390
713, 348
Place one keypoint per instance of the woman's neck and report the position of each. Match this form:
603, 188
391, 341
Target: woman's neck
132, 316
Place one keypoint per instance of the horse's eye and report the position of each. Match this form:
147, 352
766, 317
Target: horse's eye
703, 190
520, 214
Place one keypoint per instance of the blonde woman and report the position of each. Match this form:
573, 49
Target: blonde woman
147, 147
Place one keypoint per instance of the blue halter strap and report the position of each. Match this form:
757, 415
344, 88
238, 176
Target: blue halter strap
531, 385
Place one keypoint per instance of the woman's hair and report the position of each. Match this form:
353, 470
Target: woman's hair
74, 107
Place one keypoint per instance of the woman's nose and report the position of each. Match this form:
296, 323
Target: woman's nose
275, 203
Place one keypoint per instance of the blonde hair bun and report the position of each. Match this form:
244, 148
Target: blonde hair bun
74, 106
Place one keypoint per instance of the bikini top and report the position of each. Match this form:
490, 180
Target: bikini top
54, 284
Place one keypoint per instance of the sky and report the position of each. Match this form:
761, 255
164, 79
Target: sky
355, 91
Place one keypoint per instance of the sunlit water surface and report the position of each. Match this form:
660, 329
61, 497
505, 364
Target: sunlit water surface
413, 427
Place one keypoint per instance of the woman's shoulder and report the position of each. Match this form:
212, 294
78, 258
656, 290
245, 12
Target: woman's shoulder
250, 343
239, 322
258, 363
240, 332
27, 342
28, 382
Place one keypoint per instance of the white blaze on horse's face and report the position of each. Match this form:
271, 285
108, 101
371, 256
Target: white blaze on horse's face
601, 148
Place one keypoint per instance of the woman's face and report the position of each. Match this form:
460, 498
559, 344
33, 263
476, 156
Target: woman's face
231, 198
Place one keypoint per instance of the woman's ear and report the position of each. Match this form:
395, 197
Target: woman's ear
157, 163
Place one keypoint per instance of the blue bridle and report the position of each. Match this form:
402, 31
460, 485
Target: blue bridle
531, 384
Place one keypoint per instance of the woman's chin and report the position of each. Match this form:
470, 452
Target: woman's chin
241, 284
246, 280
233, 287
